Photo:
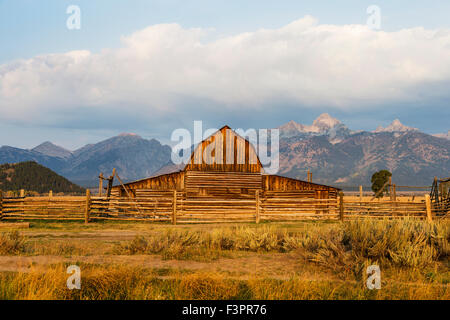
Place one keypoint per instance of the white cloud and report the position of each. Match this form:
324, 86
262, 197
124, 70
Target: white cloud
347, 67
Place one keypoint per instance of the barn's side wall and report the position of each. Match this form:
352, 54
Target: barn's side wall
279, 183
223, 184
171, 181
226, 184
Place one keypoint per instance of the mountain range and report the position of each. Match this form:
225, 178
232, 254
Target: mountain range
339, 156
334, 154
132, 156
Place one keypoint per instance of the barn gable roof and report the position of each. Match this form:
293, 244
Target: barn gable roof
225, 150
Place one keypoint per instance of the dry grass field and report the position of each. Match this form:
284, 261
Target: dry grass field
299, 260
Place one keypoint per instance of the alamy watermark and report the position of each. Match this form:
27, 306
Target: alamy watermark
73, 22
74, 281
227, 147
374, 19
373, 277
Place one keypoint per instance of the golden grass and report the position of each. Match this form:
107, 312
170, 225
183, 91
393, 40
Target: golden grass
122, 282
413, 255
402, 243
12, 243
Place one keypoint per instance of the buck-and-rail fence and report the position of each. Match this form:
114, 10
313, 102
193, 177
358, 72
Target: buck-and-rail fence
175, 207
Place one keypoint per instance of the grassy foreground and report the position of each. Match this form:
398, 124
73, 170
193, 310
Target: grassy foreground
269, 261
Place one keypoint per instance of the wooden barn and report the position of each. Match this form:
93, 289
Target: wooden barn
225, 165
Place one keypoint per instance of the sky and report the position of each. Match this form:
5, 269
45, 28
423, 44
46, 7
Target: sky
149, 67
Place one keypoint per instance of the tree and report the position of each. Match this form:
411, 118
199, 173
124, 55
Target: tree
378, 180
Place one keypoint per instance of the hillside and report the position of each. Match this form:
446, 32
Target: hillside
15, 155
32, 176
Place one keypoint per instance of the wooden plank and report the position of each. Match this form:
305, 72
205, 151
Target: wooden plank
257, 206
341, 206
41, 218
428, 207
88, 206
174, 217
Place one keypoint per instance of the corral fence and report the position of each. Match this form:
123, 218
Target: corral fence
174, 207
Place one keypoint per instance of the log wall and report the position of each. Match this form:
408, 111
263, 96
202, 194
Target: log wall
226, 184
279, 183
165, 182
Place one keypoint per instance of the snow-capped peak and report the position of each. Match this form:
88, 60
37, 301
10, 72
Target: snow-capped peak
395, 126
325, 121
323, 125
292, 125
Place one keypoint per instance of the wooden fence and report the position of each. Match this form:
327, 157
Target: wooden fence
175, 207
54, 208
296, 205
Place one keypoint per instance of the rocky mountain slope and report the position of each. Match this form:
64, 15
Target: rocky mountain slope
443, 135
132, 156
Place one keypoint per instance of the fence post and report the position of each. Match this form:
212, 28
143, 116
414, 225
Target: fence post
390, 188
100, 184
88, 206
341, 206
174, 203
428, 206
257, 205
1, 205
50, 194
360, 193
22, 193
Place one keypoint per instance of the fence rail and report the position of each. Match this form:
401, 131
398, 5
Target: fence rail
176, 207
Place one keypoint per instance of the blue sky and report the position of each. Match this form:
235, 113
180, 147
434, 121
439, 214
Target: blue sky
31, 29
